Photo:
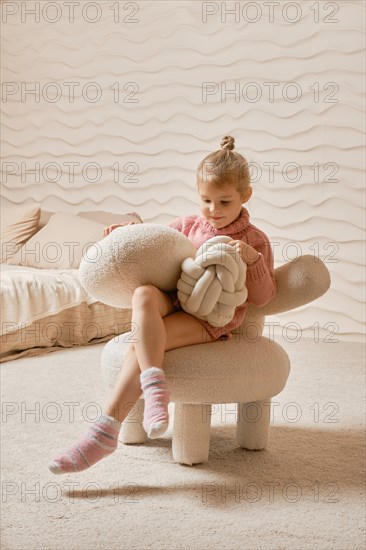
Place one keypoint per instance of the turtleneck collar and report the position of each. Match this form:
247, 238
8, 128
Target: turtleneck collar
234, 227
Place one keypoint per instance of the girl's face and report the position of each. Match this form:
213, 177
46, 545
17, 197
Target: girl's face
220, 206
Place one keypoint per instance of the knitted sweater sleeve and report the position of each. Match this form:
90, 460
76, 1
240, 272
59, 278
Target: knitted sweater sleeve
183, 225
177, 224
260, 279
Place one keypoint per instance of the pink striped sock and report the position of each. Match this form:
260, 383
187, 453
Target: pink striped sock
100, 441
156, 418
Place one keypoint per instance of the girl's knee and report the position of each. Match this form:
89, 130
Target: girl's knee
148, 298
145, 295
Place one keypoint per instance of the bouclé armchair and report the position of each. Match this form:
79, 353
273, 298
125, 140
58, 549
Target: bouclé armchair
248, 370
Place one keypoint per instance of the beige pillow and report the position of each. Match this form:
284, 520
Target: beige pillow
18, 224
99, 216
60, 244
108, 218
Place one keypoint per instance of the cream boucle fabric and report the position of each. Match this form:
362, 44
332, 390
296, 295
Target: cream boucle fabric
233, 371
212, 284
133, 256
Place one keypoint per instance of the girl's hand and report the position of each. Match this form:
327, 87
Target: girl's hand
114, 226
247, 253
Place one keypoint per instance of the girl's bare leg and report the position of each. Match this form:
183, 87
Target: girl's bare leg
158, 330
127, 388
149, 307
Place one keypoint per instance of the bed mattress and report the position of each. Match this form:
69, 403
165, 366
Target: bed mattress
44, 310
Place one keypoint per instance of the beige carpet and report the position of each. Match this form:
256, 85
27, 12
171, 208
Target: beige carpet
306, 491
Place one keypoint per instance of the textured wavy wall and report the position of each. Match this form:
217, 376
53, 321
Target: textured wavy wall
111, 105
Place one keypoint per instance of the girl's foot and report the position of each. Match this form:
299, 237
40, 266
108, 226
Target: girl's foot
156, 395
100, 441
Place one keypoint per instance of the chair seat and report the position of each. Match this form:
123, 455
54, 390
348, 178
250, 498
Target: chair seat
219, 372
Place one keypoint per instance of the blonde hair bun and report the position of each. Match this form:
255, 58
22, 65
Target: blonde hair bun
225, 166
227, 142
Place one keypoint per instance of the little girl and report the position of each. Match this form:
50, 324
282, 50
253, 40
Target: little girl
223, 182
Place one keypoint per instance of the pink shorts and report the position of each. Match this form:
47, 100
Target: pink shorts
216, 332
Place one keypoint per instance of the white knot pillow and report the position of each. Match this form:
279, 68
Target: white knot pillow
212, 284
133, 256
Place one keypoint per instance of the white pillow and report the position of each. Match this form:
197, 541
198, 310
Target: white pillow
133, 256
60, 244
18, 224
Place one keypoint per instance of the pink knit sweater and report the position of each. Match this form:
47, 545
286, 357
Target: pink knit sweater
260, 280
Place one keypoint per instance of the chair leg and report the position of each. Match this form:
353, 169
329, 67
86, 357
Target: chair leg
191, 433
132, 431
252, 428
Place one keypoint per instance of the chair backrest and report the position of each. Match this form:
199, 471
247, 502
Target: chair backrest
298, 282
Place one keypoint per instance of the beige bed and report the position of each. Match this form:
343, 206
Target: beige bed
43, 304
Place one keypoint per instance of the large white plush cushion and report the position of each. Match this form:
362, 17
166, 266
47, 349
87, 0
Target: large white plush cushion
60, 244
212, 284
133, 256
18, 224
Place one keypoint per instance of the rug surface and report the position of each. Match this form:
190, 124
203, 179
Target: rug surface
305, 491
